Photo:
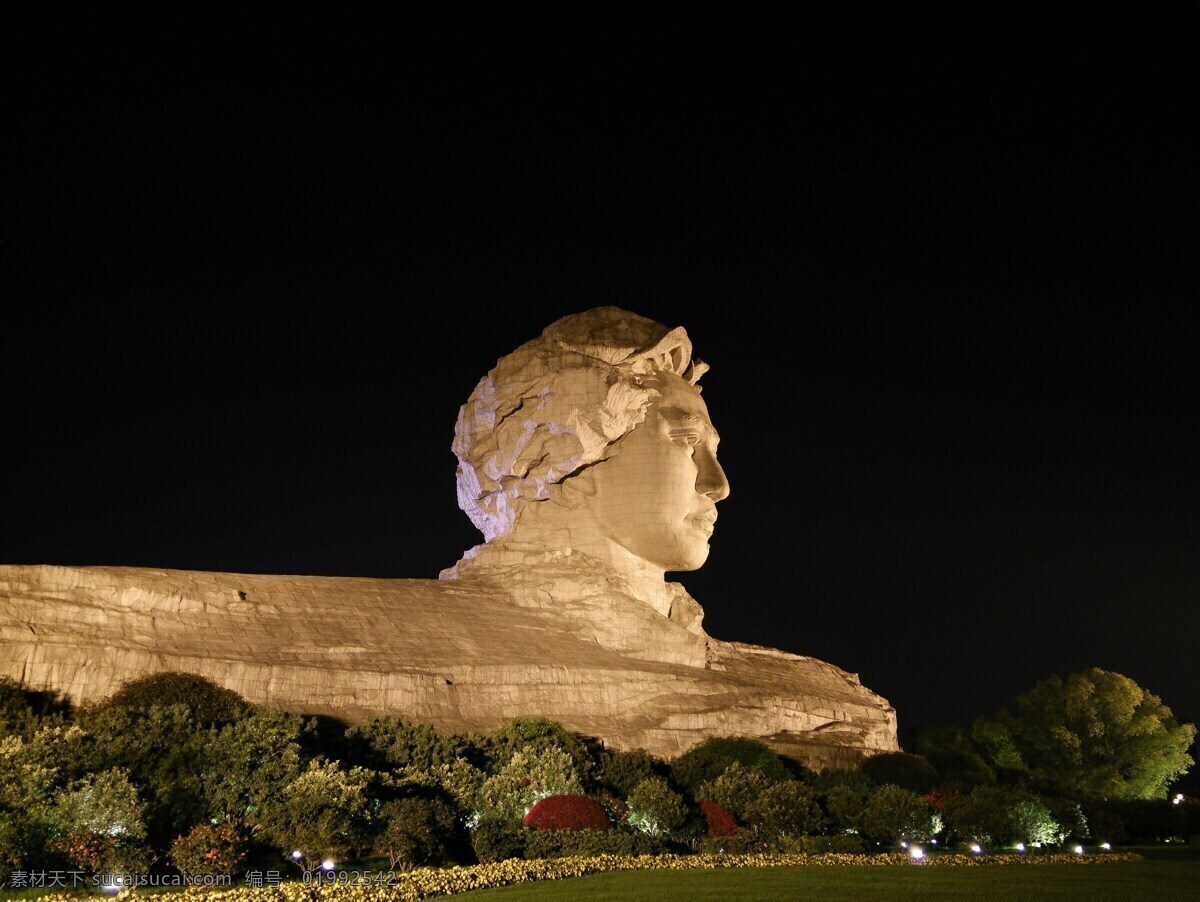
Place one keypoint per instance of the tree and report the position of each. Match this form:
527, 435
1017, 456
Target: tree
736, 788
100, 823
788, 808
955, 757
1098, 732
622, 771
391, 742
709, 759
250, 763
896, 815
324, 812
655, 808
911, 772
415, 831
207, 702
528, 777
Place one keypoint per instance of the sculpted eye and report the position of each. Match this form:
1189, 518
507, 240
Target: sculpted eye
690, 439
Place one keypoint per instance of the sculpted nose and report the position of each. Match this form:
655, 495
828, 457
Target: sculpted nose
710, 480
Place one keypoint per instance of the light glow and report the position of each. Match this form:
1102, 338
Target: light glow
328, 864
917, 853
296, 854
1079, 850
976, 848
1020, 847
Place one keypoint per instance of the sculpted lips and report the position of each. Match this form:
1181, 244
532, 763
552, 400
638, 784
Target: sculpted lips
705, 520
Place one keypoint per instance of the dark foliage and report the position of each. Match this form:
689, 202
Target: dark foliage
708, 760
207, 702
911, 772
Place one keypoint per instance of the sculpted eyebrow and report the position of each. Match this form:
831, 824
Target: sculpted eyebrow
685, 419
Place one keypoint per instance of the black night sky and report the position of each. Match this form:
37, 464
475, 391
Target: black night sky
944, 295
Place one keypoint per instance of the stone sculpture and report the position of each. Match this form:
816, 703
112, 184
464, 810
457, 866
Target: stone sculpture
587, 458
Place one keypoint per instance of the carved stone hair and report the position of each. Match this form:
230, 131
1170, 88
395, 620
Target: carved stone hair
554, 406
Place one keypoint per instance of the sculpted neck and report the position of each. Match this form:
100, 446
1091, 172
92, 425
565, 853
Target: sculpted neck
646, 580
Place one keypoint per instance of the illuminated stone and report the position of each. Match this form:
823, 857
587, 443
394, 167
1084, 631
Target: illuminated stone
588, 460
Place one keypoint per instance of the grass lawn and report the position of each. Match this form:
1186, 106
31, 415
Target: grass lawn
1125, 881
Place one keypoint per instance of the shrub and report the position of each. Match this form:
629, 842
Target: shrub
209, 849
895, 815
528, 777
391, 742
532, 735
736, 789
911, 772
711, 758
845, 844
415, 831
207, 702
497, 842
622, 771
718, 820
1030, 821
784, 809
323, 812
13, 848
567, 812
845, 804
564, 843
655, 808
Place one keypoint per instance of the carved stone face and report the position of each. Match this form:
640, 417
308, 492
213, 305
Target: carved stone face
656, 495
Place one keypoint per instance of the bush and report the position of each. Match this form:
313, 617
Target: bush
391, 742
564, 843
896, 815
567, 812
209, 849
622, 771
718, 820
655, 808
207, 702
497, 842
711, 758
784, 809
736, 789
13, 848
415, 831
845, 844
528, 777
1030, 822
981, 817
323, 813
911, 772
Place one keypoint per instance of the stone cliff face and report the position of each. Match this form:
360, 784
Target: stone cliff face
460, 653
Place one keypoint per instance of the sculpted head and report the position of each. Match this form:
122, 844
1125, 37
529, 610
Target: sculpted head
594, 435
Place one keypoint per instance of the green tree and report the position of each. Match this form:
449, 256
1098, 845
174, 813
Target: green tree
736, 788
250, 762
100, 821
207, 702
392, 742
323, 813
955, 757
709, 759
911, 772
621, 771
1098, 732
164, 750
896, 815
655, 808
788, 808
415, 831
528, 777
